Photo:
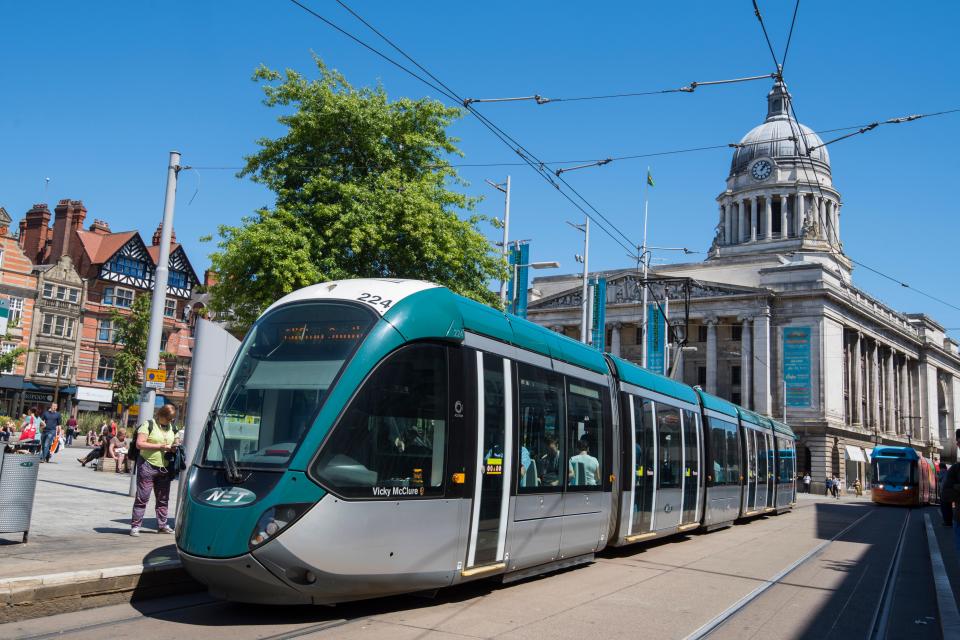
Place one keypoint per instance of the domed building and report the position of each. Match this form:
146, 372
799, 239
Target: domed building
772, 320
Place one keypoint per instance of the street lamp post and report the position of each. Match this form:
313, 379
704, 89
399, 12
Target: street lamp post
505, 189
644, 258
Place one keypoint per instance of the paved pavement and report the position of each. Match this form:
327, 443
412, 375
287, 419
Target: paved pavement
81, 521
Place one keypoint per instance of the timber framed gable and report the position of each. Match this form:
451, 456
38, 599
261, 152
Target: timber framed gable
130, 265
180, 264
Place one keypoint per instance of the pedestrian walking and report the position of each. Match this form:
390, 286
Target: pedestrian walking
828, 484
154, 439
858, 487
71, 430
835, 487
28, 429
806, 482
50, 427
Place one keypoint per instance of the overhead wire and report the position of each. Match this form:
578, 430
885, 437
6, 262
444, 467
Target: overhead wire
688, 88
786, 49
445, 90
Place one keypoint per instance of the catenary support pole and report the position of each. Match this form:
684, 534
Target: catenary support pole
584, 328
506, 238
646, 262
148, 396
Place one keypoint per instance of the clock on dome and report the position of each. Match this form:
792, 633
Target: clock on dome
761, 169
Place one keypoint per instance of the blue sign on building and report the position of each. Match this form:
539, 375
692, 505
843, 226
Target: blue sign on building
656, 340
599, 301
796, 366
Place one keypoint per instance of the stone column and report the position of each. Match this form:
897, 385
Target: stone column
799, 214
761, 363
768, 216
727, 213
784, 216
615, 338
744, 227
857, 356
890, 403
746, 361
903, 391
711, 386
836, 220
875, 386
754, 206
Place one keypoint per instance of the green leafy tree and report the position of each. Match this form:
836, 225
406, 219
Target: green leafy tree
10, 360
130, 331
363, 189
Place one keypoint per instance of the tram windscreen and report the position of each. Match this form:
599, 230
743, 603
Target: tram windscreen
893, 472
285, 368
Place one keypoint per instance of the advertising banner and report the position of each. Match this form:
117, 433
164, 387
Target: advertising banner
598, 327
656, 340
519, 273
796, 366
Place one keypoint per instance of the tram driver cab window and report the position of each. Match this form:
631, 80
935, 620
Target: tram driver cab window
391, 441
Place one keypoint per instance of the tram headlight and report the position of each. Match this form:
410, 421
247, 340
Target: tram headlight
274, 520
880, 486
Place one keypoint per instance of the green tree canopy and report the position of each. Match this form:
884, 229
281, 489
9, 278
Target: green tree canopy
363, 189
130, 330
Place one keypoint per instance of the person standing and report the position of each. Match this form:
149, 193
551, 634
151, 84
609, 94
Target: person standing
828, 486
806, 482
71, 430
154, 438
50, 429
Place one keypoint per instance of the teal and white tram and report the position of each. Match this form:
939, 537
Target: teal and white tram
375, 437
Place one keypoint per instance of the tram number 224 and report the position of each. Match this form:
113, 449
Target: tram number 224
375, 301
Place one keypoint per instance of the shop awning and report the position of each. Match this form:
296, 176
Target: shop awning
855, 453
11, 382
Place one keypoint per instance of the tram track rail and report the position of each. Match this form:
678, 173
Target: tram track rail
718, 621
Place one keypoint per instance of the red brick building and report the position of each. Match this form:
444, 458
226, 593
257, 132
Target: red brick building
18, 287
115, 267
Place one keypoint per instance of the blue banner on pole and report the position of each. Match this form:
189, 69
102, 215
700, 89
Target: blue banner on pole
796, 366
599, 313
656, 340
519, 273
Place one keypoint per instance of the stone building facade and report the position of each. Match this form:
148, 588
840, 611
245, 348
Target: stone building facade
776, 323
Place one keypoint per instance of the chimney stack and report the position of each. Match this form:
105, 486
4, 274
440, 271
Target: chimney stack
68, 217
100, 227
34, 231
159, 234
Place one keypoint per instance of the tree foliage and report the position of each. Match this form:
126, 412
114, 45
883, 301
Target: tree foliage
10, 359
130, 330
363, 189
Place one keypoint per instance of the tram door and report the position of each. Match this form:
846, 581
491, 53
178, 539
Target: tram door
762, 469
644, 458
691, 467
669, 476
488, 522
771, 470
750, 494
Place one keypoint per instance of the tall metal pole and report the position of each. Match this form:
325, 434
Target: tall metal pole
148, 396
584, 329
646, 262
506, 236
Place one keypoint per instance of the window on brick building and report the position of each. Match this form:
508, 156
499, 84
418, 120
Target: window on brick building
57, 325
118, 297
16, 312
181, 379
60, 292
49, 362
170, 308
7, 347
106, 367
105, 330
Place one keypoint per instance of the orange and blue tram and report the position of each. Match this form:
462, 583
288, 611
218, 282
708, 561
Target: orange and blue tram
901, 476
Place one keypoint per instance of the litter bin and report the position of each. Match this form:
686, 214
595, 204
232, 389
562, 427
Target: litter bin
18, 485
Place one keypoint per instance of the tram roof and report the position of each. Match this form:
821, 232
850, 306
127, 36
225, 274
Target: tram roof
717, 404
639, 376
753, 417
784, 429
905, 453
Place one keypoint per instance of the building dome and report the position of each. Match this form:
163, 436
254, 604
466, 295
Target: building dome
775, 138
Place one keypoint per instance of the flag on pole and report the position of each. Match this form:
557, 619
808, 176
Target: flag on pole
649, 178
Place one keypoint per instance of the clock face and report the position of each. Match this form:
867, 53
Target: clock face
761, 170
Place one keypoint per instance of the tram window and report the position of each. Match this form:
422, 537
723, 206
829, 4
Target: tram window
390, 442
541, 444
585, 437
669, 451
724, 463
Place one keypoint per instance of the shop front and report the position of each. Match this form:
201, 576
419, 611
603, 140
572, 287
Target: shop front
856, 466
11, 389
95, 399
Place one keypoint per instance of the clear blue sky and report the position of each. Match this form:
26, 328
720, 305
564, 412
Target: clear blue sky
96, 94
